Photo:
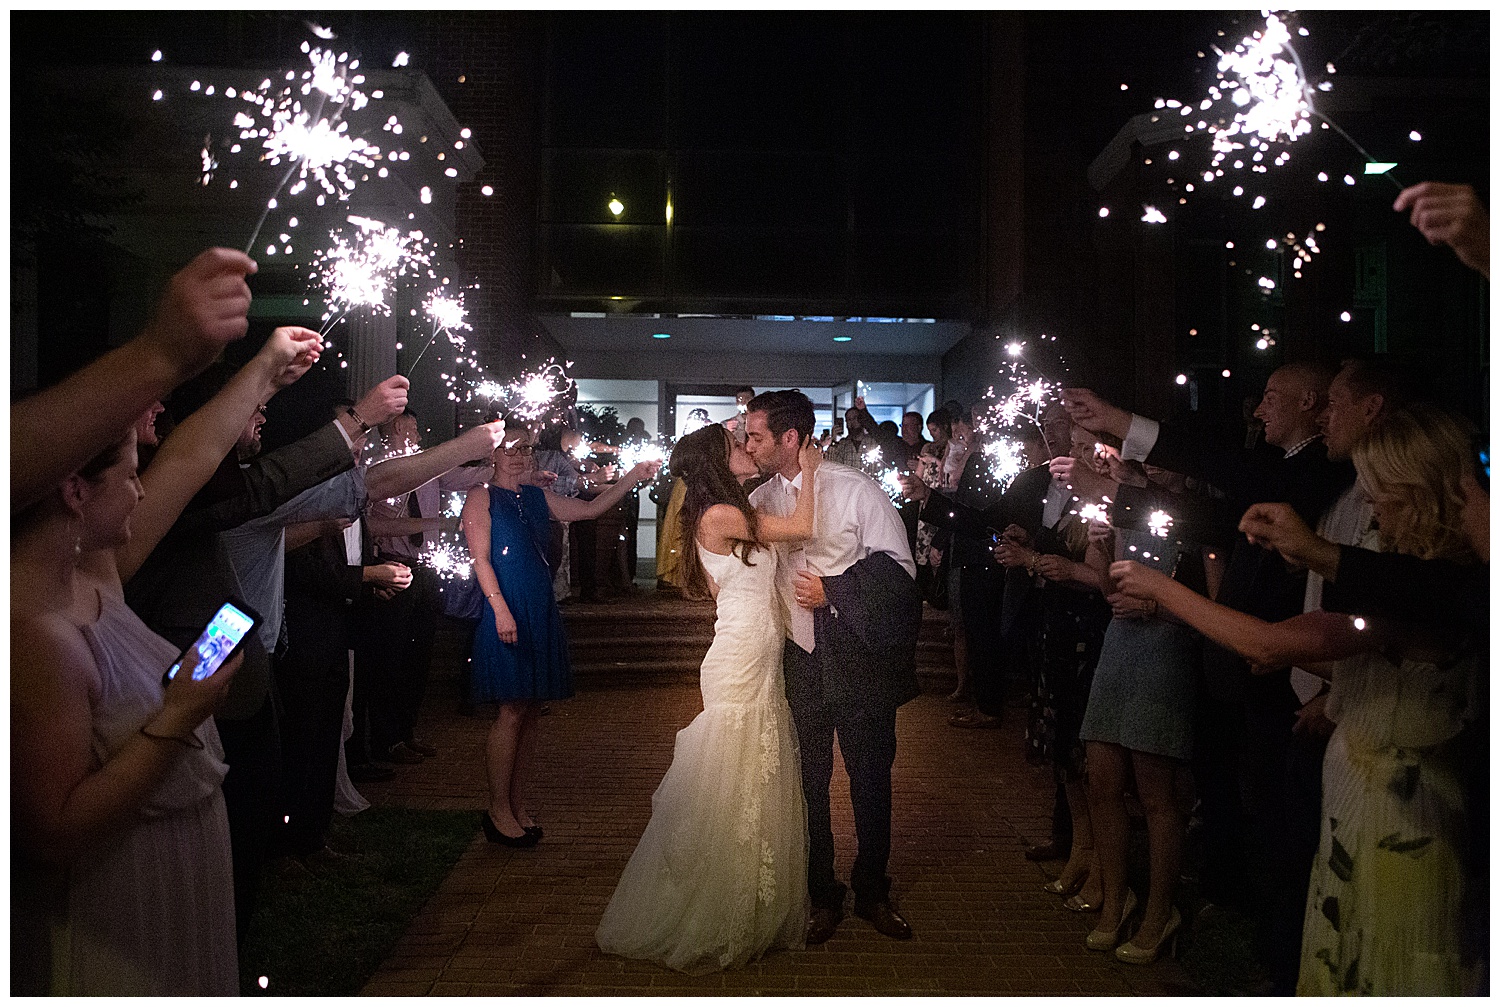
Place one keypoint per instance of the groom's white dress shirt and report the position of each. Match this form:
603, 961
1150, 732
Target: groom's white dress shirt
852, 518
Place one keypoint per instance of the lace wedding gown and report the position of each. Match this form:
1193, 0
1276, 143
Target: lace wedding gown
720, 875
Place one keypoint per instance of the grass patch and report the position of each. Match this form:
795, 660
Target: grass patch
324, 930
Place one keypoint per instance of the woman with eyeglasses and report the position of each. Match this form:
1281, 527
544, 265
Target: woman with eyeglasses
520, 656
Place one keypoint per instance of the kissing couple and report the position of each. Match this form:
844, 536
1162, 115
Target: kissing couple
815, 636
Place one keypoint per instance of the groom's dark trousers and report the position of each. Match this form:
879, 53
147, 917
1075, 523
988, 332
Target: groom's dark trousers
863, 666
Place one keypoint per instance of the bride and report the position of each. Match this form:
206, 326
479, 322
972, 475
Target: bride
720, 875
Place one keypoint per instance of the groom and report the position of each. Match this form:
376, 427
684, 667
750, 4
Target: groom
852, 615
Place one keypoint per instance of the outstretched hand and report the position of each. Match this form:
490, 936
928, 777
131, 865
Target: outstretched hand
203, 309
1093, 413
291, 351
481, 441
1450, 215
1136, 581
1079, 477
541, 478
643, 471
385, 401
1277, 526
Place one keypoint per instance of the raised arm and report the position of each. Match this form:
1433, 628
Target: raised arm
573, 509
192, 453
797, 526
1302, 640
400, 475
55, 431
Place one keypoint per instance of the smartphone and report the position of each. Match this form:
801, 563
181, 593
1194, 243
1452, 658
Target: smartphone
231, 625
838, 426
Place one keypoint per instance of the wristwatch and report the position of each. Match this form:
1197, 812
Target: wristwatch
364, 427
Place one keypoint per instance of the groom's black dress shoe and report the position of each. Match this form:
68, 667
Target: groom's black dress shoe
884, 918
822, 923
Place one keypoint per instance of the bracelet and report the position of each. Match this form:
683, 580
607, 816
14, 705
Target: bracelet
492, 594
172, 737
364, 427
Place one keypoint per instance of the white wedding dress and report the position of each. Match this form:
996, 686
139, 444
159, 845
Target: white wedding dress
720, 875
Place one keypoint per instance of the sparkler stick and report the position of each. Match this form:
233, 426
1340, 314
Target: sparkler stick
447, 314
269, 204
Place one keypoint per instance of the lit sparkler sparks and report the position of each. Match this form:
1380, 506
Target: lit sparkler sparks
635, 452
1094, 512
357, 271
450, 561
1160, 523
530, 396
1006, 459
582, 451
285, 121
446, 311
1027, 400
890, 481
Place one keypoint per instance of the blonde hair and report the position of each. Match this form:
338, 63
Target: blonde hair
1414, 460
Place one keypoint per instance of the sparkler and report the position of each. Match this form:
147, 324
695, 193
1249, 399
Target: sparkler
634, 453
531, 395
890, 481
1027, 400
358, 271
447, 314
1006, 460
1160, 523
450, 561
279, 122
1094, 512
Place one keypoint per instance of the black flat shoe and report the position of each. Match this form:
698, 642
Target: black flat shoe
492, 832
534, 830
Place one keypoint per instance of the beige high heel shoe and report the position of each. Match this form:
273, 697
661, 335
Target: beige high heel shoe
1137, 955
1104, 940
1056, 886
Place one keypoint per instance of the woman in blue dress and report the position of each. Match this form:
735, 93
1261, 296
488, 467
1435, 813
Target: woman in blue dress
520, 656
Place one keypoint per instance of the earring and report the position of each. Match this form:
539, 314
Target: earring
77, 547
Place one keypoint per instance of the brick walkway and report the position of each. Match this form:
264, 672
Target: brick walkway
510, 922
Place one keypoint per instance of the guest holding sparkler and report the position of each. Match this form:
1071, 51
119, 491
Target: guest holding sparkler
396, 648
1139, 722
520, 654
201, 312
1055, 600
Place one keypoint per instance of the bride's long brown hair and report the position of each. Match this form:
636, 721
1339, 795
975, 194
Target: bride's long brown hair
701, 461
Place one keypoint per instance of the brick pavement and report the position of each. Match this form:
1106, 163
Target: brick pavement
509, 922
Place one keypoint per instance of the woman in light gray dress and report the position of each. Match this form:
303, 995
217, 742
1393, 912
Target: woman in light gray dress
1139, 721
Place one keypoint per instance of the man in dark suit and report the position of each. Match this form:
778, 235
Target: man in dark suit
852, 614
